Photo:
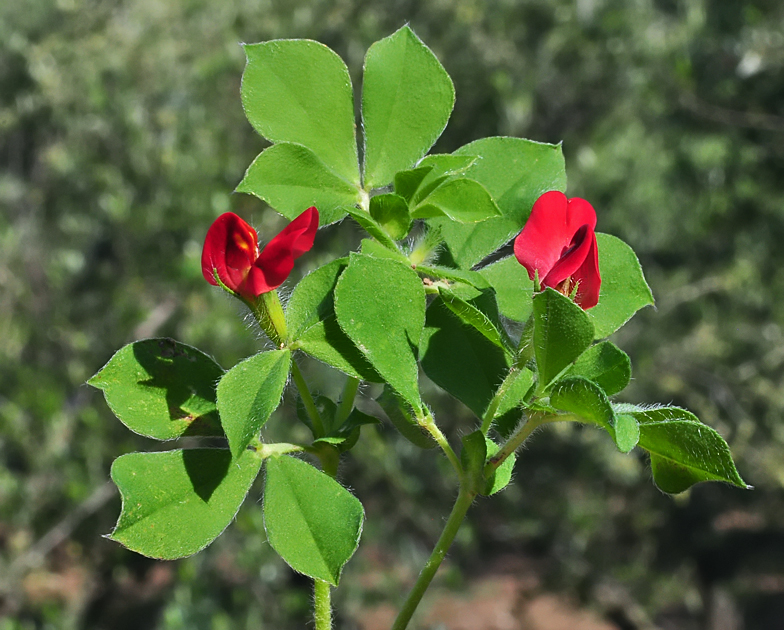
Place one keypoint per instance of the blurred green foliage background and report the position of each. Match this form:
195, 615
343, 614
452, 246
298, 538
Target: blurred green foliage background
121, 139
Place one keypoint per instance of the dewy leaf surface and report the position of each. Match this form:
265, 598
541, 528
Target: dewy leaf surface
175, 503
297, 90
162, 389
290, 178
249, 393
515, 172
380, 305
407, 98
624, 290
562, 332
312, 521
683, 450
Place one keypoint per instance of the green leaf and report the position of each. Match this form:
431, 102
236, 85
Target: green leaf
391, 213
586, 399
162, 389
513, 288
562, 332
472, 316
624, 290
462, 200
248, 394
606, 365
521, 383
326, 341
310, 319
291, 178
312, 521
371, 247
380, 305
471, 243
683, 450
407, 98
515, 172
447, 163
401, 418
503, 474
461, 360
350, 429
407, 182
442, 168
372, 227
312, 299
296, 90
175, 503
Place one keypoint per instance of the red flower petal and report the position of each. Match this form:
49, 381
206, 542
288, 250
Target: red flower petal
549, 231
230, 249
558, 243
276, 260
588, 278
571, 260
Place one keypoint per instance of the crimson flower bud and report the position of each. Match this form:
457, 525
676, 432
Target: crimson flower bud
231, 252
558, 244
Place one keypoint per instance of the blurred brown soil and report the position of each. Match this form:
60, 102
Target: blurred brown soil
491, 602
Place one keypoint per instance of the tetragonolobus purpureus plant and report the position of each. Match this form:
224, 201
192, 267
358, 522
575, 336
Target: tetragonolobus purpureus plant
521, 341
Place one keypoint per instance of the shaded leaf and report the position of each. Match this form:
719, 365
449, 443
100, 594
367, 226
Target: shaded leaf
402, 419
162, 389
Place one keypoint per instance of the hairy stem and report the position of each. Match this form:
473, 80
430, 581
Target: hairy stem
523, 432
489, 416
464, 500
322, 605
429, 423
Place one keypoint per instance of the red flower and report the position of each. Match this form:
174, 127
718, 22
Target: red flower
231, 251
559, 243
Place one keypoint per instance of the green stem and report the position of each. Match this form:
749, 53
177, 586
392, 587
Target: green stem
489, 416
322, 605
429, 423
523, 432
307, 400
346, 400
464, 500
